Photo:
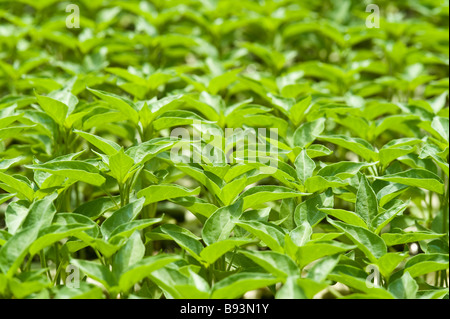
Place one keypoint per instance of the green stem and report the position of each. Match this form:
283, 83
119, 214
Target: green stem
28, 264
122, 198
57, 262
231, 260
430, 209
334, 292
443, 276
111, 197
56, 280
44, 264
99, 256
445, 208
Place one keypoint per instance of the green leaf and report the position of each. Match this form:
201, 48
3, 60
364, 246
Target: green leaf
318, 249
278, 264
55, 233
96, 271
370, 243
119, 103
234, 286
385, 217
357, 145
301, 234
216, 250
309, 209
55, 109
106, 146
343, 169
131, 253
404, 287
319, 184
13, 252
19, 186
271, 235
304, 165
344, 275
123, 215
318, 150
261, 194
441, 126
221, 223
40, 214
176, 284
425, 263
148, 150
15, 214
346, 216
389, 262
127, 229
298, 111
392, 239
177, 118
196, 205
291, 290
322, 268
416, 177
366, 201
222, 81
143, 269
387, 155
97, 207
74, 170
12, 132
157, 193
389, 192
184, 239
308, 132
15, 249
120, 165
85, 291
432, 294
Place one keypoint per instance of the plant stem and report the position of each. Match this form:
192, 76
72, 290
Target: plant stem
231, 260
28, 264
57, 262
122, 198
44, 264
430, 209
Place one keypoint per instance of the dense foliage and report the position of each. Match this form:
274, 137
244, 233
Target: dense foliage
134, 164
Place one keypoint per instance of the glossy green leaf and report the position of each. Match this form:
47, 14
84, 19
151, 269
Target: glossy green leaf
270, 234
366, 201
18, 185
157, 193
345, 216
278, 264
308, 132
305, 166
357, 145
318, 249
405, 287
416, 177
75, 170
144, 268
236, 285
392, 239
123, 215
261, 194
370, 243
221, 223
120, 165
106, 146
216, 250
